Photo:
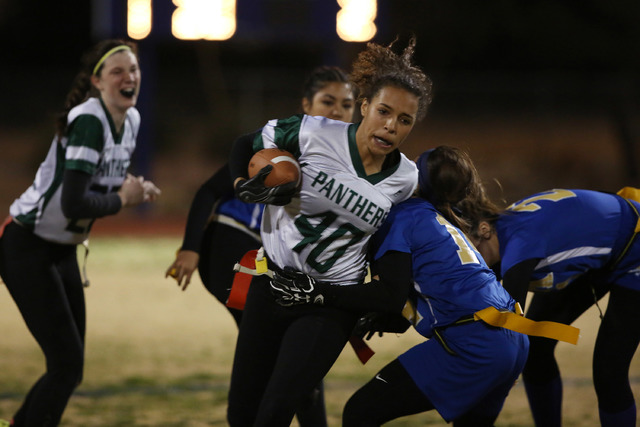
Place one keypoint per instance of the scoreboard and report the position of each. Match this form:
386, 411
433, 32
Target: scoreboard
266, 20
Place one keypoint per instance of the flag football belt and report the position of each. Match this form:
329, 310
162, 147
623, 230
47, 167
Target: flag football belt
6, 222
518, 323
514, 321
254, 263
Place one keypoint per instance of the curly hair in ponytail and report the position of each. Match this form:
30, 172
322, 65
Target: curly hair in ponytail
379, 66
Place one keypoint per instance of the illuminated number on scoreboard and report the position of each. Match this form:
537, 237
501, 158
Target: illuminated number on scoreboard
139, 18
192, 19
204, 19
355, 20
216, 19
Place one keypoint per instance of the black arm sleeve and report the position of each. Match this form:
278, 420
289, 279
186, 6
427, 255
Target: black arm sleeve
387, 295
217, 187
241, 154
78, 203
516, 279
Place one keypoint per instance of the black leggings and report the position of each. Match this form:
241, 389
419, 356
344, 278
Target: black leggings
282, 353
216, 271
617, 340
392, 394
44, 281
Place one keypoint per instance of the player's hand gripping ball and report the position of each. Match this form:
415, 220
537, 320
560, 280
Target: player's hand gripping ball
274, 178
285, 169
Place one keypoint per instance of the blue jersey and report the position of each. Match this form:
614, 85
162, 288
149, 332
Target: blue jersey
450, 277
571, 232
247, 214
453, 281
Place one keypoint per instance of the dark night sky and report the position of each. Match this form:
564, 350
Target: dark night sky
453, 34
494, 51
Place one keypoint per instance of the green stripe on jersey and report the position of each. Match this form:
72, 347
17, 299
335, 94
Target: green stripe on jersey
390, 165
81, 165
86, 130
287, 132
285, 135
28, 219
117, 137
258, 143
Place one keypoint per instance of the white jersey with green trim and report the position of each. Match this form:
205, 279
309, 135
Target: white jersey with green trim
93, 150
325, 229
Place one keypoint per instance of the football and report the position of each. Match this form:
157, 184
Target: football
285, 166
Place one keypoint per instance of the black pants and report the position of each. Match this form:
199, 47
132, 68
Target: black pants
222, 247
44, 281
617, 340
282, 353
391, 394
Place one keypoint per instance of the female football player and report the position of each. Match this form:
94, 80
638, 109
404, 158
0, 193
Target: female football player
83, 177
351, 176
327, 92
467, 368
214, 243
570, 247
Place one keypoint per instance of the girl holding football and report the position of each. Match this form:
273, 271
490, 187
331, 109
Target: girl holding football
83, 177
221, 229
352, 174
327, 92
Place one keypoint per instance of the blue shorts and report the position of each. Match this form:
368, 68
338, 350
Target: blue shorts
487, 363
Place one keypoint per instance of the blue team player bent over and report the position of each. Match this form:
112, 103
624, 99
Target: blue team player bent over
570, 247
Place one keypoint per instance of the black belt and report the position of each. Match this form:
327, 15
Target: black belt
437, 332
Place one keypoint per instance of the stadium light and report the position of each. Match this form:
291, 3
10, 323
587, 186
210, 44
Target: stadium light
216, 19
204, 19
138, 18
355, 20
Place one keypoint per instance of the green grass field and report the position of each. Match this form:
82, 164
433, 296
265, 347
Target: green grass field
157, 356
